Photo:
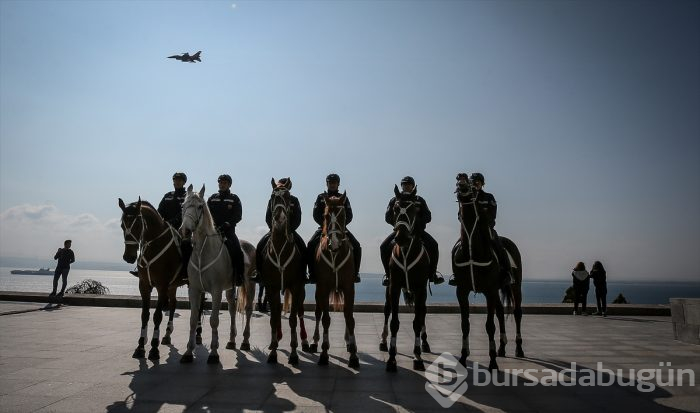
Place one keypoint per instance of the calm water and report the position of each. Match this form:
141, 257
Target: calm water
371, 290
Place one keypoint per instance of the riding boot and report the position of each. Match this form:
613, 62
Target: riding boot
385, 255
135, 272
453, 281
236, 275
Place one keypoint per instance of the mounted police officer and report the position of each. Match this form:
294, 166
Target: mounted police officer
332, 183
408, 184
227, 211
294, 222
170, 209
487, 207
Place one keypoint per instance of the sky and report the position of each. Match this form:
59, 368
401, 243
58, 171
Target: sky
582, 115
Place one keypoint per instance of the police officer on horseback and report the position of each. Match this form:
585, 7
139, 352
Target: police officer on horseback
408, 184
487, 207
332, 183
294, 222
227, 211
170, 209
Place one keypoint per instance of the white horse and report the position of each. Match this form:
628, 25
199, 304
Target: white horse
209, 270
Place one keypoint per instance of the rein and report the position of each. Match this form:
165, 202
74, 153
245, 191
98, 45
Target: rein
470, 235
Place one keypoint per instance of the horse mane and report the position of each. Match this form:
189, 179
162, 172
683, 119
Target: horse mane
206, 214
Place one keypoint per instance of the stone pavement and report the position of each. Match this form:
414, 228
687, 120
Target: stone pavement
78, 359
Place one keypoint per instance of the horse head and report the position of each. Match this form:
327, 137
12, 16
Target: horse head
406, 210
466, 198
279, 206
334, 221
133, 227
192, 211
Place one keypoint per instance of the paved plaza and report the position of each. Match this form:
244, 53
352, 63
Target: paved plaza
78, 359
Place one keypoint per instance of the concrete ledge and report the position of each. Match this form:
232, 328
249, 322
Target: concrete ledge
685, 315
133, 301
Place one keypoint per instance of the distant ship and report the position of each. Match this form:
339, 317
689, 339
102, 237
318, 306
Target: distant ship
40, 271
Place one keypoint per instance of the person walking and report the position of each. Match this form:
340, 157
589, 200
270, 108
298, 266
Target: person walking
581, 286
65, 257
601, 287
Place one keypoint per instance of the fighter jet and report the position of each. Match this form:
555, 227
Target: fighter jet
185, 57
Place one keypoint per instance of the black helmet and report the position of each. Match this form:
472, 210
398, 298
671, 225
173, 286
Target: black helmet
476, 176
462, 175
285, 182
333, 178
226, 178
180, 175
408, 180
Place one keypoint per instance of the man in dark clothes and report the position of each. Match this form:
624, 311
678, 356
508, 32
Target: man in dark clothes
65, 258
294, 222
332, 183
408, 184
227, 211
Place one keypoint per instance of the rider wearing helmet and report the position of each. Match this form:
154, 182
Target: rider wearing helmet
332, 183
294, 222
486, 205
227, 211
170, 209
408, 184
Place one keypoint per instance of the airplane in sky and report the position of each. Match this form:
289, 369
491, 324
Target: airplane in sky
185, 57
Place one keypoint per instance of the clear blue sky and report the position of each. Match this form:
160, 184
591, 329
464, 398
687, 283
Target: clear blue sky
583, 116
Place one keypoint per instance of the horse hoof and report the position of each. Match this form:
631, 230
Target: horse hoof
323, 359
425, 347
213, 359
493, 366
186, 358
313, 348
198, 340
272, 358
294, 359
383, 347
154, 354
463, 360
139, 353
166, 341
418, 365
354, 362
391, 366
245, 346
519, 353
305, 347
502, 352
231, 345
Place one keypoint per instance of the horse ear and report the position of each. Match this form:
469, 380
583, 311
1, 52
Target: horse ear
272, 182
189, 189
138, 204
396, 191
121, 205
201, 192
289, 183
415, 189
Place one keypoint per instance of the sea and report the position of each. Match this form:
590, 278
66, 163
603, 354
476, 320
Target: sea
120, 282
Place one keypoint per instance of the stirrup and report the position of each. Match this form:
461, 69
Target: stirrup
452, 281
135, 273
437, 279
385, 281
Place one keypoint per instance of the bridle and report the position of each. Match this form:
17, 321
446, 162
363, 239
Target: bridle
403, 219
332, 233
469, 233
275, 257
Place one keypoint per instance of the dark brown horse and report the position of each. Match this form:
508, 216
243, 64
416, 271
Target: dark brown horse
408, 271
335, 270
283, 273
476, 269
157, 246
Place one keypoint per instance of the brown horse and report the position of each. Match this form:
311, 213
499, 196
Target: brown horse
408, 271
157, 246
476, 268
283, 273
335, 278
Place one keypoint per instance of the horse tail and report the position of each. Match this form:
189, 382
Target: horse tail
409, 297
337, 301
287, 305
507, 298
242, 300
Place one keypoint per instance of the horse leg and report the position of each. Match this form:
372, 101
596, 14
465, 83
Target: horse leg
385, 332
172, 305
250, 299
214, 323
202, 301
425, 346
394, 299
302, 327
293, 321
195, 317
325, 345
418, 326
154, 353
348, 309
231, 301
275, 323
463, 298
140, 351
502, 329
491, 303
518, 314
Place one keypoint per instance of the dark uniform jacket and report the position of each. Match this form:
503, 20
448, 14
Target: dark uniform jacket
225, 208
294, 211
170, 207
424, 217
320, 207
486, 205
65, 257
